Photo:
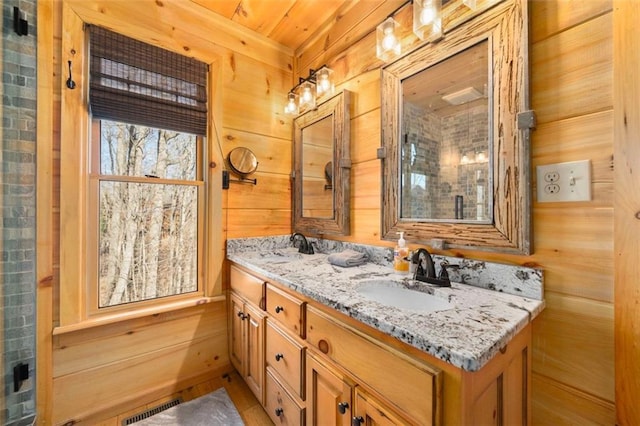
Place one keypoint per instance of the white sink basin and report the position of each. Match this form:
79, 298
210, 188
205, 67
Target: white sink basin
392, 294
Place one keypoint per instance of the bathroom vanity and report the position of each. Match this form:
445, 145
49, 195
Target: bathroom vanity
315, 348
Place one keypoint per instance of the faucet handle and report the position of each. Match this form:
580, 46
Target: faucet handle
444, 266
443, 275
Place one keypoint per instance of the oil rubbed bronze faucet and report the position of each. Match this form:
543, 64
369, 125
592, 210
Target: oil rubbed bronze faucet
304, 246
426, 271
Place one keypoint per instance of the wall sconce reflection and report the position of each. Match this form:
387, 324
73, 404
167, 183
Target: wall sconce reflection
477, 158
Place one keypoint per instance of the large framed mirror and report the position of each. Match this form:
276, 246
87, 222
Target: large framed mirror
322, 163
455, 133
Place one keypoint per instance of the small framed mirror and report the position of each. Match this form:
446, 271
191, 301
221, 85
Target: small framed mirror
322, 165
455, 133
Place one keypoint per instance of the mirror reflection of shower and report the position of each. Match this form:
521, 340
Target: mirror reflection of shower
445, 151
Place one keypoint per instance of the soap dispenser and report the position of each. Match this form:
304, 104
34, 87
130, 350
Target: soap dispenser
400, 255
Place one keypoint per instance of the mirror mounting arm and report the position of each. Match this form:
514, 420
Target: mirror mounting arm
527, 120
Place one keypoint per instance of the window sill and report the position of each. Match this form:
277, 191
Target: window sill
133, 314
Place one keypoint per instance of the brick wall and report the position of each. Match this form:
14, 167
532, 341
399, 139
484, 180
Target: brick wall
18, 177
433, 147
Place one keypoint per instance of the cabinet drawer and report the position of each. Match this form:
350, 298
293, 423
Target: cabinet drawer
250, 287
286, 356
411, 387
287, 309
280, 406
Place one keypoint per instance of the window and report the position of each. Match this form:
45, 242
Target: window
149, 224
146, 185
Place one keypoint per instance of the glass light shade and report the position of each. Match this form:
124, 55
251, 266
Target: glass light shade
306, 96
427, 20
292, 105
471, 4
324, 82
387, 42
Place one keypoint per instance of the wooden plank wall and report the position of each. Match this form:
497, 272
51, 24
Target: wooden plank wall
626, 85
572, 84
571, 61
95, 373
571, 92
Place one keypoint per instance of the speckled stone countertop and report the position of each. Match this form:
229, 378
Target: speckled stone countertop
468, 335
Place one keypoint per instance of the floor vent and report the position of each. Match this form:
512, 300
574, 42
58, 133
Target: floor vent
150, 412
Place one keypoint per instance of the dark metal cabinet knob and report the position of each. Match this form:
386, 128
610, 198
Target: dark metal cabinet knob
279, 412
357, 421
342, 407
242, 316
279, 357
279, 309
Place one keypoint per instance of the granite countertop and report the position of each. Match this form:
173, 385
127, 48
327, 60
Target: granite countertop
467, 335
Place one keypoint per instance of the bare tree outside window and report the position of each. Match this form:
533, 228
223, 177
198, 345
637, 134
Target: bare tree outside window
148, 213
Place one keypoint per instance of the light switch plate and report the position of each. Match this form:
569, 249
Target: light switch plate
569, 181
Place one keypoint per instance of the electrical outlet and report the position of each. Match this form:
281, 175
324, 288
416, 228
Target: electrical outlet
569, 181
552, 176
552, 188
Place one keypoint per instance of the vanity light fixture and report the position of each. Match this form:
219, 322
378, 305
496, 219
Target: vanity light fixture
324, 81
292, 104
427, 20
387, 42
304, 95
307, 95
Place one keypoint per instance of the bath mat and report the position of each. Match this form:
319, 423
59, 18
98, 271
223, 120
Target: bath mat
211, 409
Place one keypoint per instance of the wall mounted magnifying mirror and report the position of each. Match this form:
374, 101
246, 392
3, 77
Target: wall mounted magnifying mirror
328, 175
321, 168
243, 163
455, 132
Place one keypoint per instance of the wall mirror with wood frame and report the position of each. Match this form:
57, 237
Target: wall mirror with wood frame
455, 133
321, 163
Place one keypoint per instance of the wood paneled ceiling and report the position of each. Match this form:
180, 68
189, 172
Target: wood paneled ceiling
288, 22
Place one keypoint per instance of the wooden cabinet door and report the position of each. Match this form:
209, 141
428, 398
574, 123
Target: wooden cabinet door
371, 412
254, 362
499, 394
487, 409
237, 344
328, 395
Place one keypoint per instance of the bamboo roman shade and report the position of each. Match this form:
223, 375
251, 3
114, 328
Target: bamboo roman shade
138, 83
